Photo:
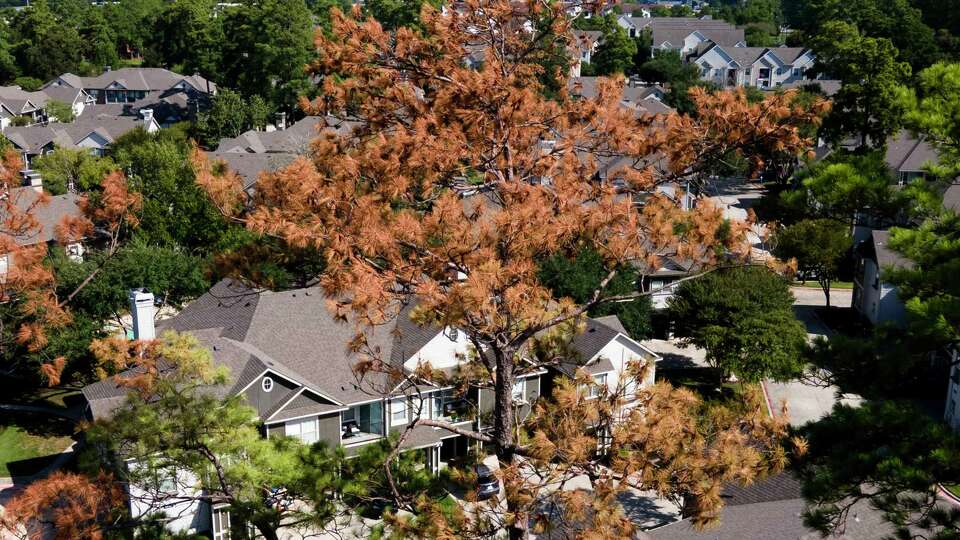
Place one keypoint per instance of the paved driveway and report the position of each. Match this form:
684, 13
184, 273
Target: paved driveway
807, 402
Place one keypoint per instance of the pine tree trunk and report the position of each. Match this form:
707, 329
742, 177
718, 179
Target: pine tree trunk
267, 529
503, 433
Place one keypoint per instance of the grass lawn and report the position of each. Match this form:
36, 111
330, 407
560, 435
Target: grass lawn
16, 391
28, 442
706, 382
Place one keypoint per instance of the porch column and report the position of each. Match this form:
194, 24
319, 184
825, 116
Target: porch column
433, 459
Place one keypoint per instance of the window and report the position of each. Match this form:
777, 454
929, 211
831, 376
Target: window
452, 333
599, 381
398, 412
305, 430
266, 384
797, 72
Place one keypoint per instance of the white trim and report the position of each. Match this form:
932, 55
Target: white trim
290, 380
293, 397
317, 414
654, 355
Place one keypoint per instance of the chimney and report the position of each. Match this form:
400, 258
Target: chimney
106, 68
142, 311
32, 178
146, 115
281, 120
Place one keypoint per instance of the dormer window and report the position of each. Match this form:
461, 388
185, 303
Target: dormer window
266, 384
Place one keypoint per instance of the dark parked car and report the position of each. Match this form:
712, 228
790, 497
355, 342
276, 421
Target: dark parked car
488, 484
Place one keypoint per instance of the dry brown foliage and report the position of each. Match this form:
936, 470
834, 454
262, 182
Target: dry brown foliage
64, 506
29, 281
454, 182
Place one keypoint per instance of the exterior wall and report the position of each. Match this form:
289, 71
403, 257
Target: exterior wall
874, 299
952, 413
621, 351
328, 428
264, 401
441, 352
185, 516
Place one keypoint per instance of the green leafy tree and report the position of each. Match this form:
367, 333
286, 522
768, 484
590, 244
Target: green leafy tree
267, 46
229, 116
932, 108
132, 20
175, 213
174, 276
188, 36
889, 453
8, 63
579, 276
866, 104
743, 318
666, 67
819, 247
30, 84
99, 40
69, 166
60, 111
259, 112
44, 47
843, 187
895, 20
393, 14
616, 51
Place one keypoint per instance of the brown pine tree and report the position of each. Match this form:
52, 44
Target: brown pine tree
453, 183
29, 283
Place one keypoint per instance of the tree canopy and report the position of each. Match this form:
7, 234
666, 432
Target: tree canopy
866, 105
818, 245
458, 180
743, 318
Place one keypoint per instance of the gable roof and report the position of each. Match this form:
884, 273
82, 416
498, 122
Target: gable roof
886, 257
142, 79
251, 166
65, 94
293, 140
32, 139
47, 215
597, 334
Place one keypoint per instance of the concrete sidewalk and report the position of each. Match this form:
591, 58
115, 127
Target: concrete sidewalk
807, 402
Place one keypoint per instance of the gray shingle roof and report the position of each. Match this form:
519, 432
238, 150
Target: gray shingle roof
32, 139
770, 509
250, 166
144, 79
48, 215
293, 140
906, 153
886, 257
19, 100
63, 94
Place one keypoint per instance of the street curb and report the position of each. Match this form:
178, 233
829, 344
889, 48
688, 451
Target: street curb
945, 494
